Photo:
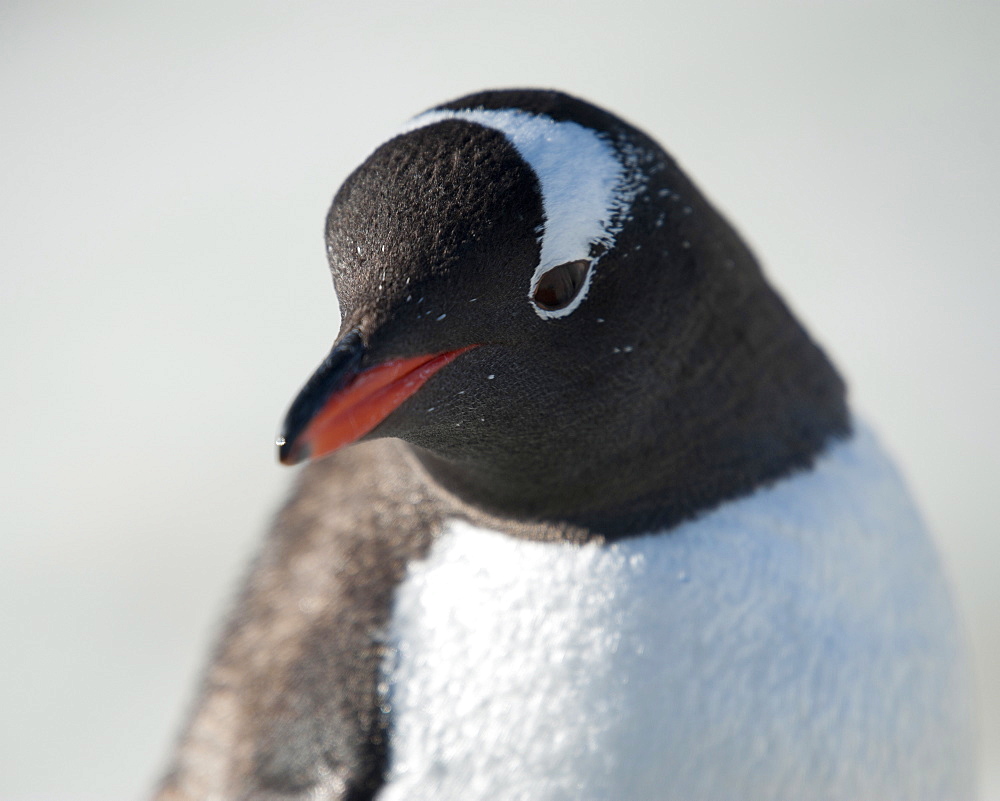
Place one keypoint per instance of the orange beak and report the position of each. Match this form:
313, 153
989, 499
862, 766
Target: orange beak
340, 404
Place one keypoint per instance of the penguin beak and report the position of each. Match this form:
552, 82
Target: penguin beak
341, 402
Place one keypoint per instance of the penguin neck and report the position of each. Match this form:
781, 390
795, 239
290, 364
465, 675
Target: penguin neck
748, 402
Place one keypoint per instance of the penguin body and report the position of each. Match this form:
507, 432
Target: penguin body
790, 644
616, 533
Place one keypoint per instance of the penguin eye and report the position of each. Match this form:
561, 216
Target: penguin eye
557, 287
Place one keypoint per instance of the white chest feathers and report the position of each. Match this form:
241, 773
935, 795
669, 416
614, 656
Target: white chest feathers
796, 644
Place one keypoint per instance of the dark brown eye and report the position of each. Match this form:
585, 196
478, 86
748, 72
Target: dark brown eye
557, 287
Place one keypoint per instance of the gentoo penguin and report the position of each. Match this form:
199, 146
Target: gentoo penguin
611, 530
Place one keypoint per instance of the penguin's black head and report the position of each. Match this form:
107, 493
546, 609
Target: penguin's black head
525, 281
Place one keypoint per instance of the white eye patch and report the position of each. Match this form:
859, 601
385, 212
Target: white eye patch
586, 187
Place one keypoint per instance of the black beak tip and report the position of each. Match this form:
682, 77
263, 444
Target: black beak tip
337, 369
291, 452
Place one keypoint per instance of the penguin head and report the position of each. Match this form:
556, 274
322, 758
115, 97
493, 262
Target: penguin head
500, 228
525, 281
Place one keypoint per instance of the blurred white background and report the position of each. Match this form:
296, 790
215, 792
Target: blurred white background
166, 168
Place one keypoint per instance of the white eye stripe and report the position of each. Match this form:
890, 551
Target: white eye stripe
586, 189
